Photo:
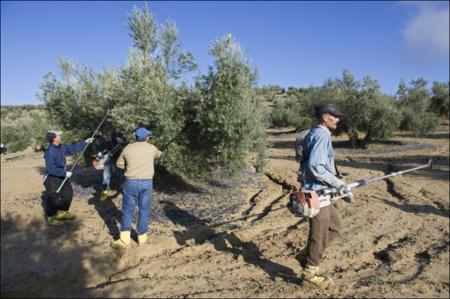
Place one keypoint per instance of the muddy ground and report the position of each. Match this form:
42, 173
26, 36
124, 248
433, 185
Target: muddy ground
394, 242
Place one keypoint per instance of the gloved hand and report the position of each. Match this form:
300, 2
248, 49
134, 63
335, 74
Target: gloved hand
341, 185
99, 155
89, 140
68, 174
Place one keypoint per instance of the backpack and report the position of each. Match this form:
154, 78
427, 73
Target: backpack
301, 151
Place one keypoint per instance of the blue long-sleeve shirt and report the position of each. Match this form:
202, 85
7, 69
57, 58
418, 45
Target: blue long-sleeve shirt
55, 157
319, 170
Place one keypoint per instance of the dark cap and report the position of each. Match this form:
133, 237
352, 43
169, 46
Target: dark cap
51, 135
327, 108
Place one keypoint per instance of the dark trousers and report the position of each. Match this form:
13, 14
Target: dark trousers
323, 228
57, 202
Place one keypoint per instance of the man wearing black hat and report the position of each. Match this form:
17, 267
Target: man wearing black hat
108, 151
319, 172
57, 206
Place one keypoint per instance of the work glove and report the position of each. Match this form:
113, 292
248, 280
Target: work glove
341, 186
99, 155
68, 174
89, 140
339, 183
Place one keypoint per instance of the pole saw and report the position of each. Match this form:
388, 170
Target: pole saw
79, 157
307, 203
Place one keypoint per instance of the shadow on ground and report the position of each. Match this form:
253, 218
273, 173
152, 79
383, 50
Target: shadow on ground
200, 232
417, 209
435, 135
42, 261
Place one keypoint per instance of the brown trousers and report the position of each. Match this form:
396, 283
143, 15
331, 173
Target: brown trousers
323, 228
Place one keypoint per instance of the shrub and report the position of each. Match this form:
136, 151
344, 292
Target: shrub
414, 104
440, 99
227, 119
29, 130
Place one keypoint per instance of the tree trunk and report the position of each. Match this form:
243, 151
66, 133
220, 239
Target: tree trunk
353, 138
365, 142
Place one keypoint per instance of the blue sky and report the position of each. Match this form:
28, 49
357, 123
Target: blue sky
292, 43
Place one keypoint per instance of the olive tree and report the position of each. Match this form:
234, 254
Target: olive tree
214, 123
227, 119
440, 99
414, 104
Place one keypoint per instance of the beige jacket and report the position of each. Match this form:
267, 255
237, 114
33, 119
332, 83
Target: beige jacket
138, 160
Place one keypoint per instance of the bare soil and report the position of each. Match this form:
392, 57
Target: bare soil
394, 242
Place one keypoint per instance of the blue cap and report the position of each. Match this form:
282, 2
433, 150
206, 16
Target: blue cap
141, 133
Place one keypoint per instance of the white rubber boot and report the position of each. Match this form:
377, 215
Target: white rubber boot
123, 242
142, 239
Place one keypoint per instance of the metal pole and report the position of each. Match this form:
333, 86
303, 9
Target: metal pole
364, 182
79, 157
370, 180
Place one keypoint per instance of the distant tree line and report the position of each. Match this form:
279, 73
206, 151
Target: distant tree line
367, 110
23, 126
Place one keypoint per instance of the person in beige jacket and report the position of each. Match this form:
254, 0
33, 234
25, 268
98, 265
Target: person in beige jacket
137, 160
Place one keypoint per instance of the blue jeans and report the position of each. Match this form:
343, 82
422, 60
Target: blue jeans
136, 193
110, 166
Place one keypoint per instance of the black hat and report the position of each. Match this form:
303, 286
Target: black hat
327, 108
52, 135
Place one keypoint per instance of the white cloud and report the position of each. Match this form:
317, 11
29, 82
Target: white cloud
427, 33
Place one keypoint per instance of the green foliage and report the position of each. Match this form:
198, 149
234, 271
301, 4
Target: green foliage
366, 110
227, 119
143, 29
291, 112
440, 99
28, 130
414, 105
214, 124
365, 107
270, 92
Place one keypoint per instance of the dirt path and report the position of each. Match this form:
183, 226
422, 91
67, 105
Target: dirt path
394, 243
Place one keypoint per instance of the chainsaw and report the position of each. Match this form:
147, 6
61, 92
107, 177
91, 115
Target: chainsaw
101, 159
307, 203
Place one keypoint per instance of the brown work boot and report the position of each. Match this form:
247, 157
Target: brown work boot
310, 274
